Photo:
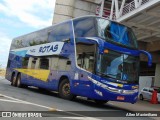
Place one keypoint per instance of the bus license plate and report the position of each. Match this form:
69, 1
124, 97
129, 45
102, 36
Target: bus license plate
120, 97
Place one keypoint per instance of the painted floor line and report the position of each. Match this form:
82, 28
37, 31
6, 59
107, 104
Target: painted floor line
49, 108
25, 102
10, 101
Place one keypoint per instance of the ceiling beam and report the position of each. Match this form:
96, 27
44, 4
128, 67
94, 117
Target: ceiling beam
154, 22
142, 26
154, 14
143, 20
147, 36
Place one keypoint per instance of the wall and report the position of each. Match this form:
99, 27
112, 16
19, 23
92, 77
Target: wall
145, 81
68, 9
157, 76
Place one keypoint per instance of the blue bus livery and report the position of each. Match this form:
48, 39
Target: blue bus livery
88, 56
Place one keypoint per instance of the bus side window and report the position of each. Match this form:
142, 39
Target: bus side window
64, 64
32, 63
25, 62
54, 63
86, 56
60, 32
88, 62
44, 63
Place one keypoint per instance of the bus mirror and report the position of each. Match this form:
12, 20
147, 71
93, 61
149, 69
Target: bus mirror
148, 55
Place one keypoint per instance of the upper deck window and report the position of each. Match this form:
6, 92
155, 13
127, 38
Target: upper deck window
60, 32
55, 33
105, 29
114, 32
85, 27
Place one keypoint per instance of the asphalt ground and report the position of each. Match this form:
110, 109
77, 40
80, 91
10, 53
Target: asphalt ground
49, 105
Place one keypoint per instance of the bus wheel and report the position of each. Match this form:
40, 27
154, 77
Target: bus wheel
13, 80
19, 81
64, 90
100, 102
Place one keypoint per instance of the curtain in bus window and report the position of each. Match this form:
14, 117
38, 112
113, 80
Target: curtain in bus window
119, 33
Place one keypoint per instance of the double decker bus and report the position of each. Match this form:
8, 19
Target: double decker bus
88, 56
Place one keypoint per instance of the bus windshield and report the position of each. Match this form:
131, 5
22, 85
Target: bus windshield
121, 67
117, 33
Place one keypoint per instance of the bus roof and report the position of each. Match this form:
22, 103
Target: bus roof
50, 27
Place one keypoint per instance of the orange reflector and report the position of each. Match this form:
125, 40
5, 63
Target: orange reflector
120, 97
106, 51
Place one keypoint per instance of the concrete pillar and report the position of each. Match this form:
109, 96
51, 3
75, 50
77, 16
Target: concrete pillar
68, 9
157, 76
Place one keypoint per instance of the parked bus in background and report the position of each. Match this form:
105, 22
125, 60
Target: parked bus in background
89, 56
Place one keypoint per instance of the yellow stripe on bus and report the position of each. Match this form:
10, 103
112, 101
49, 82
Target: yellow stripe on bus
36, 73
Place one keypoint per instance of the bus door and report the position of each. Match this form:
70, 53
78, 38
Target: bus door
59, 66
86, 62
53, 68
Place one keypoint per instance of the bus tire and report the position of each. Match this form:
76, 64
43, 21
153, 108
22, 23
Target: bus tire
100, 102
13, 80
64, 90
19, 81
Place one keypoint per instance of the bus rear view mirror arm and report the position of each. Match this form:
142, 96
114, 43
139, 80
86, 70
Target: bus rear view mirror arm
148, 55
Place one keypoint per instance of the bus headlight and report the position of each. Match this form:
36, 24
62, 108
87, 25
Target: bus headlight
122, 91
130, 91
114, 90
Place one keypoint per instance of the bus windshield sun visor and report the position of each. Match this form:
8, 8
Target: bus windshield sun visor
148, 55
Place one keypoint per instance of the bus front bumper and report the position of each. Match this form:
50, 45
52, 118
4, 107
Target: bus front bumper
102, 91
105, 94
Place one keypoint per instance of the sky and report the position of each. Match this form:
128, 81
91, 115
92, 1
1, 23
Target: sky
19, 17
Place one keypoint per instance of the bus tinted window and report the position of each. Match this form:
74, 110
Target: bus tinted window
44, 63
118, 66
85, 27
35, 38
25, 62
114, 32
51, 34
60, 32
33, 64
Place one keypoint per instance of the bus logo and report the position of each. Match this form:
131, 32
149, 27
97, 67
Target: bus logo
50, 48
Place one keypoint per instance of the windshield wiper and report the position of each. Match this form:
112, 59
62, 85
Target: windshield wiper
105, 75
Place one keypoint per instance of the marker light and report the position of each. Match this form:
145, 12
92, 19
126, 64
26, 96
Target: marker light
106, 51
